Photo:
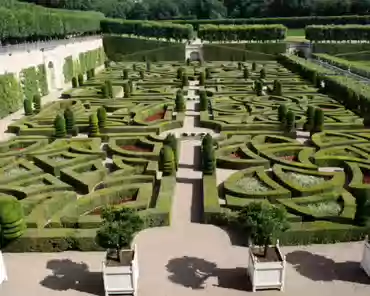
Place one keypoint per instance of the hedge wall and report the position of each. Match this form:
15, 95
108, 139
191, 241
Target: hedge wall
11, 98
342, 49
241, 32
338, 33
290, 22
240, 51
118, 48
34, 81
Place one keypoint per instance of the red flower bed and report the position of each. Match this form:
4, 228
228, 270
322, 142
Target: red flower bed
18, 149
156, 116
289, 158
366, 179
122, 201
136, 148
236, 154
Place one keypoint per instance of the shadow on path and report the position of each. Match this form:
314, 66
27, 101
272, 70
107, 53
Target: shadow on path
320, 268
192, 272
69, 275
196, 214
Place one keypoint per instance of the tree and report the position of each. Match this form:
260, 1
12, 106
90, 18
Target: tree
166, 161
245, 73
70, 122
172, 142
202, 78
60, 126
184, 80
74, 82
254, 66
318, 121
263, 222
80, 79
125, 73
102, 117
179, 101
203, 101
282, 113
93, 126
277, 90
118, 228
37, 103
290, 122
27, 105
258, 87
263, 73
310, 113
126, 90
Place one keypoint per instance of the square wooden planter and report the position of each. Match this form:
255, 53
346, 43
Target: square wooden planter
121, 276
266, 274
365, 262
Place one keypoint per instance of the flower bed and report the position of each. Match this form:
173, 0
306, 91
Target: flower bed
252, 184
121, 201
157, 116
289, 157
328, 208
236, 154
305, 180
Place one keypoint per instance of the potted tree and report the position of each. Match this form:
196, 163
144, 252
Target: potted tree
264, 223
120, 267
365, 262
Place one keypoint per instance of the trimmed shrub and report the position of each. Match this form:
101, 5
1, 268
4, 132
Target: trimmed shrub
263, 73
310, 113
11, 219
258, 87
361, 215
203, 101
245, 73
109, 85
254, 66
74, 82
93, 126
172, 142
277, 90
184, 80
202, 78
180, 72
180, 102
166, 161
27, 105
290, 122
60, 126
148, 66
125, 73
208, 159
207, 141
80, 79
102, 117
142, 74
318, 121
282, 113
104, 91
37, 103
70, 121
208, 73
126, 90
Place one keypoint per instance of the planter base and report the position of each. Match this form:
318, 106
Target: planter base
365, 262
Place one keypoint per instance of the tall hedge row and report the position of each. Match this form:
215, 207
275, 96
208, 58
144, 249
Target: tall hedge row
158, 30
242, 32
338, 33
34, 81
290, 22
11, 97
39, 24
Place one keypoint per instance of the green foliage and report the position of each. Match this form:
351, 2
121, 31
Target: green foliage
60, 126
208, 159
338, 33
254, 66
258, 87
93, 126
42, 80
118, 228
70, 121
166, 161
245, 73
11, 218
310, 113
208, 73
203, 101
11, 98
184, 80
102, 117
207, 141
36, 103
263, 222
125, 73
202, 78
80, 79
263, 73
290, 122
361, 215
27, 105
68, 69
30, 83
277, 88
172, 142
148, 66
318, 121
74, 82
180, 102
126, 90
142, 74
282, 113
109, 87
179, 73
104, 90
241, 32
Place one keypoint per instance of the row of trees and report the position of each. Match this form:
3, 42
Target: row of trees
158, 30
338, 33
42, 24
215, 9
242, 32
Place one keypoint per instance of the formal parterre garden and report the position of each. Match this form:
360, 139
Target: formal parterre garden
98, 146
283, 141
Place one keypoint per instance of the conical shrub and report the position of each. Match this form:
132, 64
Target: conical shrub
60, 130
93, 126
27, 105
70, 122
203, 101
102, 117
310, 113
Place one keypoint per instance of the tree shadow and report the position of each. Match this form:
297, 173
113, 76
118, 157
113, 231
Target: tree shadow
69, 275
320, 268
192, 272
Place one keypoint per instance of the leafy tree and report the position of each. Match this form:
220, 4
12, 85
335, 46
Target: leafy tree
282, 113
290, 122
125, 73
172, 142
27, 105
202, 78
258, 87
166, 161
37, 103
118, 228
318, 121
126, 90
70, 121
254, 66
60, 130
80, 79
180, 102
277, 90
102, 117
263, 73
74, 82
93, 126
263, 222
310, 113
203, 101
245, 73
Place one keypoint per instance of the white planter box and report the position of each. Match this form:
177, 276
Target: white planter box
3, 275
121, 278
365, 262
267, 275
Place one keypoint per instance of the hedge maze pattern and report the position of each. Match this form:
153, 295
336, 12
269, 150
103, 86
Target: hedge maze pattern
317, 177
63, 183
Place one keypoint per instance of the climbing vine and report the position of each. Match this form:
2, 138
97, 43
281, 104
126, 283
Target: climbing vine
43, 82
11, 98
30, 83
